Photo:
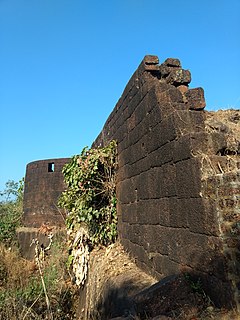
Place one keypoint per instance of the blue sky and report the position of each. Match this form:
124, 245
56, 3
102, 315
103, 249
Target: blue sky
65, 63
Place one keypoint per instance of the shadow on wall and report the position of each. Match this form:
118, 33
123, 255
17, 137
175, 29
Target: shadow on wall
170, 297
183, 294
180, 295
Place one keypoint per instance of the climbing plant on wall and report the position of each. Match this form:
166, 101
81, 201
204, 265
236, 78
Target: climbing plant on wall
90, 202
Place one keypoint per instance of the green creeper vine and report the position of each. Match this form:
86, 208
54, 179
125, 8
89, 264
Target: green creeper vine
90, 202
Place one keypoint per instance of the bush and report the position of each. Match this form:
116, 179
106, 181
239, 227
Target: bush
11, 208
90, 202
90, 198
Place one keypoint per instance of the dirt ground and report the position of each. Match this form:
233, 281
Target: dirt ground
115, 281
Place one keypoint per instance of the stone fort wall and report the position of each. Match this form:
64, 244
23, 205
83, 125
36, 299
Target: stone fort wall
173, 205
178, 181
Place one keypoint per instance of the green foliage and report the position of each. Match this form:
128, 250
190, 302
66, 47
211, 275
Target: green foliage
90, 196
11, 207
195, 284
10, 191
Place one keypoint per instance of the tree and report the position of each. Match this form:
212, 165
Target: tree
11, 208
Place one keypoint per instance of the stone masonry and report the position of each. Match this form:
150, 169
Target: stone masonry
168, 220
178, 181
43, 186
41, 216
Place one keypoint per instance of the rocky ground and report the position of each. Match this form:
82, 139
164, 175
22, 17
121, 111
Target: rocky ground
117, 289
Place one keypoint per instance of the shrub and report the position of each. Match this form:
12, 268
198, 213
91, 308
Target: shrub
21, 289
11, 208
90, 197
90, 202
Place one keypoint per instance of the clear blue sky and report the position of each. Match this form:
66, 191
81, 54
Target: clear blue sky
65, 63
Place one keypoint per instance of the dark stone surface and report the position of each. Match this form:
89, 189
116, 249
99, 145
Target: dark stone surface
27, 238
178, 293
179, 77
196, 100
42, 189
188, 178
171, 62
172, 294
167, 225
168, 214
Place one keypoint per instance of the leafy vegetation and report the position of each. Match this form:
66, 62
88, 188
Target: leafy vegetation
90, 196
30, 289
90, 201
41, 289
11, 208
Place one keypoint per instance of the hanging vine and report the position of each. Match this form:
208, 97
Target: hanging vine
90, 202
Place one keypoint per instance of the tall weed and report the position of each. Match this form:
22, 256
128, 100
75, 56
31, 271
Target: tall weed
21, 288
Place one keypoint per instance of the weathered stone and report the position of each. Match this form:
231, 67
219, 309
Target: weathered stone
201, 215
165, 297
162, 155
195, 98
155, 239
176, 218
43, 186
169, 65
183, 88
175, 96
219, 126
177, 182
151, 59
130, 196
198, 118
179, 77
171, 62
218, 143
149, 63
164, 70
165, 176
188, 178
27, 238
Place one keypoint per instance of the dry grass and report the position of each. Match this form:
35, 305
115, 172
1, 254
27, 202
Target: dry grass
230, 118
227, 122
13, 268
21, 287
22, 298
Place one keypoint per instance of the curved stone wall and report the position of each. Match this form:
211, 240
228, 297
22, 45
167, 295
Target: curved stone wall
43, 185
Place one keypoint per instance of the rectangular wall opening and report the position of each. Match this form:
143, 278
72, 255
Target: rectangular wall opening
51, 167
